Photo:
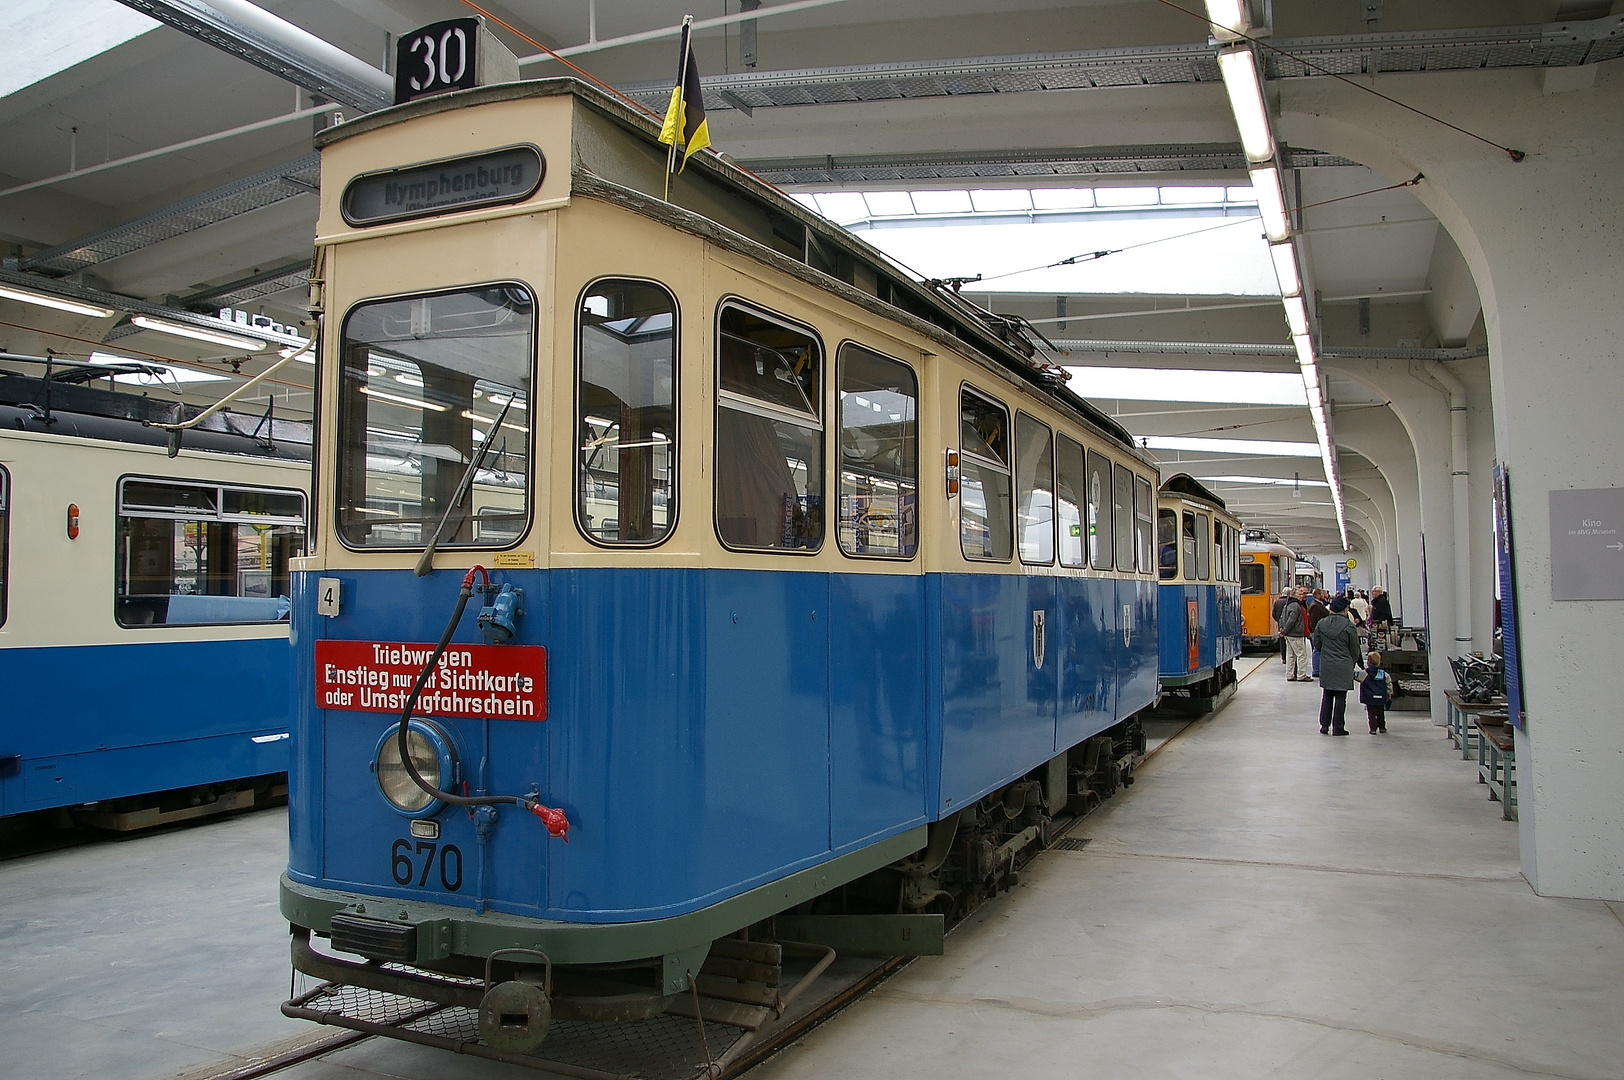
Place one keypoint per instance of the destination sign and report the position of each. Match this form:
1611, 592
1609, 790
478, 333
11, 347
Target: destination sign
506, 682
493, 178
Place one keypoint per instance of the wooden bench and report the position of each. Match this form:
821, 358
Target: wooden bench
1460, 729
1497, 761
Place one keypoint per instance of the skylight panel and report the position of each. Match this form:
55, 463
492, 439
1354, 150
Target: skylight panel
1062, 198
1242, 194
1194, 385
1243, 447
889, 203
1126, 196
806, 199
48, 37
1271, 481
942, 202
842, 207
1192, 196
1000, 200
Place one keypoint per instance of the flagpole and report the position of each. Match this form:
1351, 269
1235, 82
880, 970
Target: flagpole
682, 77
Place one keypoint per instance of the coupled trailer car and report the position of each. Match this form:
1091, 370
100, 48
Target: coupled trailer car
1198, 556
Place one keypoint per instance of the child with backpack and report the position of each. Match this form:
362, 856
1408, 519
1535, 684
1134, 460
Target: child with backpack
1376, 692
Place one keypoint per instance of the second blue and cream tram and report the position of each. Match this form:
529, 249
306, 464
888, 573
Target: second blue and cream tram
1198, 545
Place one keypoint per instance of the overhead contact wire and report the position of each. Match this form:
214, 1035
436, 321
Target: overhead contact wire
1515, 155
1091, 256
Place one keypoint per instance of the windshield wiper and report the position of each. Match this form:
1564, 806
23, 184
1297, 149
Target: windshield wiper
425, 565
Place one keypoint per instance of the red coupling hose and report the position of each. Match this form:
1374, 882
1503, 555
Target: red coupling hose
557, 824
468, 578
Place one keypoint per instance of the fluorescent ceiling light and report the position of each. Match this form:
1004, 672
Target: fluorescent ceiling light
1282, 481
1239, 69
1305, 349
171, 375
411, 403
1270, 202
1251, 447
1297, 317
27, 296
1285, 268
1174, 384
198, 333
1228, 15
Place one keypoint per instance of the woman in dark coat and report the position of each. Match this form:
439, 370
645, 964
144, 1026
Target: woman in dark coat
1340, 651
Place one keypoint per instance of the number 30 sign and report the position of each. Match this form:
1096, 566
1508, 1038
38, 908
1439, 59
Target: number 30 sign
450, 55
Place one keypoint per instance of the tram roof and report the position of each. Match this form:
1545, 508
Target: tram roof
1189, 486
941, 316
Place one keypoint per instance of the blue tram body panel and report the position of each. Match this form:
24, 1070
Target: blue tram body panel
1216, 629
135, 740
1137, 603
697, 736
711, 730
1086, 640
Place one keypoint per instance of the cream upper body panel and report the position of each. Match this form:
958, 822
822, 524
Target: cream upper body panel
61, 590
555, 243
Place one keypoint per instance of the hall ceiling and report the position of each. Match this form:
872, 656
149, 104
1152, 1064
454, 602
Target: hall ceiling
861, 94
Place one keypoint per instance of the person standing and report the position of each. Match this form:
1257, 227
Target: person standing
1316, 611
1294, 628
1381, 613
1360, 607
1275, 613
1340, 652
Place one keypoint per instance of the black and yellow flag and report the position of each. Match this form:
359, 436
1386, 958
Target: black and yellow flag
685, 124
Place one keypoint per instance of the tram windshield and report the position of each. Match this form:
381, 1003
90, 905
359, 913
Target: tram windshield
435, 390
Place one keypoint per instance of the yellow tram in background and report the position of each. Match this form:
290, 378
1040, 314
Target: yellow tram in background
1268, 568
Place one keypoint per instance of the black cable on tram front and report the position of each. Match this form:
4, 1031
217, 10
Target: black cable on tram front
557, 823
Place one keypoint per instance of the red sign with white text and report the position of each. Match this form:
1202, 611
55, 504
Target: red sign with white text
503, 682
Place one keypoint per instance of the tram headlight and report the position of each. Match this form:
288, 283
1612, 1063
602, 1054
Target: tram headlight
436, 763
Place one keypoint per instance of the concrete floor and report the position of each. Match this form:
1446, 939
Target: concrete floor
1266, 901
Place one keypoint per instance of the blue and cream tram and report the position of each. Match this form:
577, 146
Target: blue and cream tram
144, 604
793, 573
1198, 546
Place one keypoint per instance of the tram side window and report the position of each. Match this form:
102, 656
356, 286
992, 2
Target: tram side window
1068, 462
1220, 548
1034, 486
5, 540
1144, 527
1167, 543
1252, 579
1203, 546
1098, 521
434, 420
625, 478
984, 518
196, 553
769, 433
1122, 515
879, 455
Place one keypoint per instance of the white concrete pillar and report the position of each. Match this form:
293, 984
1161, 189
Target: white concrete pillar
1541, 238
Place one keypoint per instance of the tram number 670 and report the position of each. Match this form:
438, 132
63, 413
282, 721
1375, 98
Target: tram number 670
404, 856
